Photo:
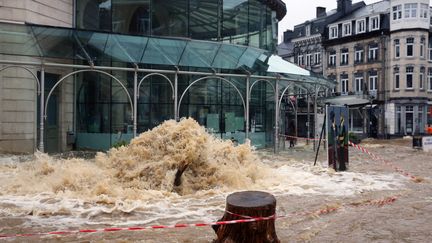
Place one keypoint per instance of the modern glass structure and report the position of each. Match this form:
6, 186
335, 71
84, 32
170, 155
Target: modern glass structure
242, 22
137, 63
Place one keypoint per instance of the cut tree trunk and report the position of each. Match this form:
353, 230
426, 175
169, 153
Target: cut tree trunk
244, 205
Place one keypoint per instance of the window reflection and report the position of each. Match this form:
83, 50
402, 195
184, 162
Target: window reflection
243, 22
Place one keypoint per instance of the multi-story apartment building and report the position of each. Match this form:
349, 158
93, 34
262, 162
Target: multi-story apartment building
381, 57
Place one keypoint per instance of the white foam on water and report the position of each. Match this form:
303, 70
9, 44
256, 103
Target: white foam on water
133, 185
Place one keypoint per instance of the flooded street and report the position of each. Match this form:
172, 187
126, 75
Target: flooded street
132, 186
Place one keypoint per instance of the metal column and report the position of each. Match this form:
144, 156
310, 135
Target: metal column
135, 104
247, 106
308, 117
315, 116
176, 109
42, 105
296, 112
276, 138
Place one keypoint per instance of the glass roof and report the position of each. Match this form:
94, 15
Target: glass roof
95, 47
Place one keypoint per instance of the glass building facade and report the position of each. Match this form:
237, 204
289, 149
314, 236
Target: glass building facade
243, 22
103, 111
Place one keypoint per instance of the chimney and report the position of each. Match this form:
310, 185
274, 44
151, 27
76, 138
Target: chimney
320, 12
344, 5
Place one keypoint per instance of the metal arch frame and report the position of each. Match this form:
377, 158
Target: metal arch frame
155, 74
210, 77
45, 107
28, 70
83, 71
260, 80
311, 83
137, 86
38, 93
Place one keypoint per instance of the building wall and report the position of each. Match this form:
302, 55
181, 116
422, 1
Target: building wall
45, 12
17, 109
352, 68
18, 89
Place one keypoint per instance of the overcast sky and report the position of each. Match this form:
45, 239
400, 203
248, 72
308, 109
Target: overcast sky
298, 11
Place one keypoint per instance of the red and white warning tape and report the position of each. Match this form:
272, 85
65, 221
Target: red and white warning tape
246, 219
69, 232
375, 157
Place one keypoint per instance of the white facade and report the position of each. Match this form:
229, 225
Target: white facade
408, 14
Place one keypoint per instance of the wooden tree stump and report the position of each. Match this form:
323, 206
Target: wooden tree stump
251, 204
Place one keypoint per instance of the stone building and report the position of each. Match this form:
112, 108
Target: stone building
19, 117
380, 56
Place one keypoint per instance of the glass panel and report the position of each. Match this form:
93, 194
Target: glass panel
249, 57
170, 18
17, 40
199, 54
235, 21
163, 51
257, 23
131, 17
53, 41
203, 21
93, 15
228, 57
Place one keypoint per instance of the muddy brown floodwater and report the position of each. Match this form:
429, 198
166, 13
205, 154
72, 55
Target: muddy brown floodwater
132, 186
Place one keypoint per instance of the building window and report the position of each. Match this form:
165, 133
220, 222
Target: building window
430, 54
308, 30
429, 79
424, 9
344, 86
397, 48
421, 78
308, 60
410, 10
359, 55
422, 46
346, 27
332, 59
396, 78
409, 77
300, 60
374, 23
317, 58
373, 53
410, 47
361, 26
333, 33
373, 82
344, 57
397, 12
358, 84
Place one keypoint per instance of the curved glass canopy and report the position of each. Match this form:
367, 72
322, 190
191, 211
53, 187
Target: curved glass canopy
98, 47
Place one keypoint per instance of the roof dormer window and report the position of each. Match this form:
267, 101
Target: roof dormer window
308, 30
374, 23
346, 29
333, 32
361, 26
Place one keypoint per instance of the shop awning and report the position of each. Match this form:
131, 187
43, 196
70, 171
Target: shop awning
348, 100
